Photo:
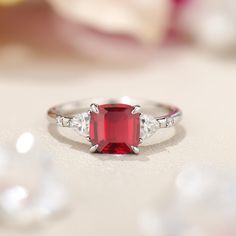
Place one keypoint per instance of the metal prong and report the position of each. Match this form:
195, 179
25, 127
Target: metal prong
136, 109
88, 138
94, 148
94, 108
135, 149
140, 140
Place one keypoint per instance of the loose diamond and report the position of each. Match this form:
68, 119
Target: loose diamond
148, 126
80, 123
30, 189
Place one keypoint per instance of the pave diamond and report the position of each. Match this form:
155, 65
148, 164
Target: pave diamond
148, 126
59, 121
80, 123
169, 122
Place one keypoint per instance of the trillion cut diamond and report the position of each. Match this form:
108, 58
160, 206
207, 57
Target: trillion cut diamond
80, 123
148, 126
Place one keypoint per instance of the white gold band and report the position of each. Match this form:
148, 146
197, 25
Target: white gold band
107, 123
166, 115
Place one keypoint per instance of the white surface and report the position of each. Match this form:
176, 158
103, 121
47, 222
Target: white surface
109, 192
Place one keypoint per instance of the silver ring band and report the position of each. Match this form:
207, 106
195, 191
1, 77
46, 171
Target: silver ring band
166, 115
77, 115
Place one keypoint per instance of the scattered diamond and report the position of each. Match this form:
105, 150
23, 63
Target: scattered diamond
31, 191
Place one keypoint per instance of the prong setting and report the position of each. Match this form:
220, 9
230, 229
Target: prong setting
94, 108
88, 138
135, 149
136, 109
94, 148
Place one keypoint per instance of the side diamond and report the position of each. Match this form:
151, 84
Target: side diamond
148, 126
80, 123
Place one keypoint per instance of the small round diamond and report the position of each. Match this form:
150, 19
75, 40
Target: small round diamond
148, 126
59, 121
80, 123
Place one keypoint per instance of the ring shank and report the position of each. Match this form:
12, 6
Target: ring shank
166, 115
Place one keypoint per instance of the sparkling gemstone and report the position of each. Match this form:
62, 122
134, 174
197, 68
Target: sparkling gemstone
148, 126
115, 129
80, 123
30, 189
169, 122
59, 121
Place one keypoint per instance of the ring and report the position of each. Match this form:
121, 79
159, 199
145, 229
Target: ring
115, 126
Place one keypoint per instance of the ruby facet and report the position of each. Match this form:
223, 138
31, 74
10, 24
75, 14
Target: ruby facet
115, 129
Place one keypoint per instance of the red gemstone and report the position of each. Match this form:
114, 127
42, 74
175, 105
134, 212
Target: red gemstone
115, 129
